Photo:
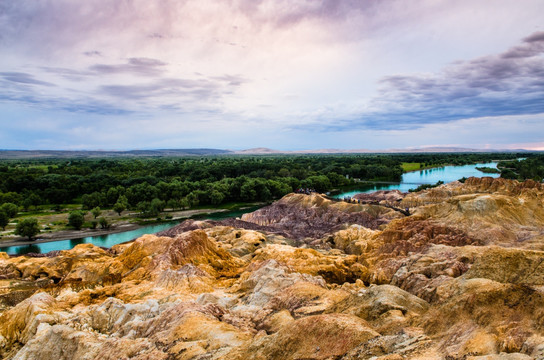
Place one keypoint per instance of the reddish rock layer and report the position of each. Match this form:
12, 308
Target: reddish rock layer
462, 278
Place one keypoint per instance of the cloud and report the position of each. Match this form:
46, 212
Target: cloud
183, 90
493, 85
318, 67
134, 66
532, 46
23, 78
92, 53
81, 105
537, 37
40, 26
175, 95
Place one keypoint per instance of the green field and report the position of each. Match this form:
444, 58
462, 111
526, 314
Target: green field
410, 166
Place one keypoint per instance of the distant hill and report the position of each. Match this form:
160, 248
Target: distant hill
434, 149
259, 151
438, 149
86, 154
37, 154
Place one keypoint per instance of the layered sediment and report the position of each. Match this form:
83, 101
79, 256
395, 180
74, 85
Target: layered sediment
462, 277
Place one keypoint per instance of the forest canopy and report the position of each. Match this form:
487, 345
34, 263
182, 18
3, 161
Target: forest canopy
190, 181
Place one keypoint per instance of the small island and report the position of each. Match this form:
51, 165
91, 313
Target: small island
488, 170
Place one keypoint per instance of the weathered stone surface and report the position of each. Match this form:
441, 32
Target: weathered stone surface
386, 307
390, 196
356, 240
312, 337
307, 278
311, 216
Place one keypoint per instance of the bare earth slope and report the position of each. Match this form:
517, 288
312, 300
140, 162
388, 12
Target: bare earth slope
306, 278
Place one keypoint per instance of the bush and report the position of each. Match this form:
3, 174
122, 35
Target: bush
76, 219
96, 212
4, 219
104, 224
28, 227
10, 209
119, 207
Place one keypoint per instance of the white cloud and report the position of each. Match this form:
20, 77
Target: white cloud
231, 73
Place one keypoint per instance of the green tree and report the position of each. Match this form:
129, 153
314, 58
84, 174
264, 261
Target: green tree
216, 197
141, 192
104, 224
279, 188
283, 172
123, 200
144, 207
93, 200
192, 199
173, 204
35, 200
247, 191
119, 207
10, 209
27, 227
184, 203
76, 219
113, 194
4, 219
96, 212
156, 206
320, 183
26, 204
10, 197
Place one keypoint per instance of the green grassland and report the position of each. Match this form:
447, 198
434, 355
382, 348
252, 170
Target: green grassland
410, 166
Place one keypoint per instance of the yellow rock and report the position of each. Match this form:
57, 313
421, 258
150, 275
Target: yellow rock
312, 337
463, 277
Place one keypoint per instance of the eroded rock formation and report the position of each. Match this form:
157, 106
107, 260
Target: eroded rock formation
306, 278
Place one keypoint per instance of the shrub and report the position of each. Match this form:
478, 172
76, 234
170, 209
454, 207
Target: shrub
104, 224
28, 227
76, 219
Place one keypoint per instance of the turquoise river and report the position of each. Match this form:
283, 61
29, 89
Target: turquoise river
409, 180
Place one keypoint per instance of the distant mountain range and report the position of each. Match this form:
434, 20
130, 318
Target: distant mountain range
25, 154
434, 149
36, 154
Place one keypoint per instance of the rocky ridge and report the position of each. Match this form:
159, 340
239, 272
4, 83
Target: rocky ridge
306, 278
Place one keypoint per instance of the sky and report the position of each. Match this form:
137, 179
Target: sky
282, 74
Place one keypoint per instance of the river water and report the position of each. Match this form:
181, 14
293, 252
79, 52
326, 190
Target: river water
409, 180
114, 239
413, 179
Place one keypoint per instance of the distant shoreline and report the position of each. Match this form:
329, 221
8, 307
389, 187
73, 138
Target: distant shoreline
70, 235
20, 154
115, 228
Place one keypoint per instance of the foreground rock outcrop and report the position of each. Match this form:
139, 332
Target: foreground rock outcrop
306, 278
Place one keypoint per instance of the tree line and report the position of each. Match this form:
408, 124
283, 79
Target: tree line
531, 167
153, 184
181, 182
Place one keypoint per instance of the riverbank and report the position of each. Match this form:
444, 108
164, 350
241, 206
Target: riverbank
413, 179
408, 168
115, 228
68, 235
